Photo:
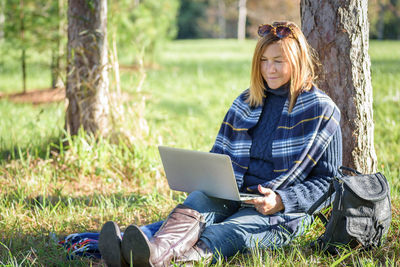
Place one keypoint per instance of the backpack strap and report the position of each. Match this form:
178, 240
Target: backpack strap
344, 168
322, 217
322, 199
330, 191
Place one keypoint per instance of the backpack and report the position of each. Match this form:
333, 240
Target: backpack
361, 212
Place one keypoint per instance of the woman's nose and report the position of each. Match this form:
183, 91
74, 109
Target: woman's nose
271, 67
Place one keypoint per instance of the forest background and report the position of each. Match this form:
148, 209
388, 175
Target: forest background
180, 67
143, 26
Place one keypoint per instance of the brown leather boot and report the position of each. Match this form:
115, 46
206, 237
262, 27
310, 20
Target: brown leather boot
197, 253
179, 232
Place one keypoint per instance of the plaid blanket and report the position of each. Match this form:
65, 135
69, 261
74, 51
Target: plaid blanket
299, 141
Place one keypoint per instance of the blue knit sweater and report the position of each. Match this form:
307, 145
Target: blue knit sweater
300, 196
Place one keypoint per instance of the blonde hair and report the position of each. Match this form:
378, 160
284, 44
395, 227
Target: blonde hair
303, 62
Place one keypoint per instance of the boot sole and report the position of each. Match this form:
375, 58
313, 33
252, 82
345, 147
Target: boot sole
136, 247
110, 244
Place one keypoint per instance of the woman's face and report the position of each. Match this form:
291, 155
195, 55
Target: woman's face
275, 68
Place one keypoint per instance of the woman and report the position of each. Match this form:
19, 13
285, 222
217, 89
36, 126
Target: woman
284, 139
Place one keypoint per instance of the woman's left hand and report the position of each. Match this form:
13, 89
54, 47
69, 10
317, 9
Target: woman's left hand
269, 204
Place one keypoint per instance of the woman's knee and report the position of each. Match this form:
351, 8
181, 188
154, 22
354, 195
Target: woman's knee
224, 239
195, 198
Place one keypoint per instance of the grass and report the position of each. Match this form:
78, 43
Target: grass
47, 190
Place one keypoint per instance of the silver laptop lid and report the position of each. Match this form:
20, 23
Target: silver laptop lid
188, 170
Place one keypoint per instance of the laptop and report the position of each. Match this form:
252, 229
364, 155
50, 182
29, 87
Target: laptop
211, 173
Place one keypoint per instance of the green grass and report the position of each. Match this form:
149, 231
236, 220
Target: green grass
47, 190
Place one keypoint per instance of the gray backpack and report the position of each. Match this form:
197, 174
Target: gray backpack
361, 212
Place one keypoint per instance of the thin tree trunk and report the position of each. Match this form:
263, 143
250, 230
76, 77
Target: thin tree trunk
23, 50
242, 20
394, 8
381, 21
221, 19
2, 19
53, 68
58, 54
339, 31
23, 66
87, 80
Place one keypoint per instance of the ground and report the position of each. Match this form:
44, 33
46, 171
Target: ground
38, 96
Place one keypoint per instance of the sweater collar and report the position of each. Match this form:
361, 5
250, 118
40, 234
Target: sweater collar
281, 91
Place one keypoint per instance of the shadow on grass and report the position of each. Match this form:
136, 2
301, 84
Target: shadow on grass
43, 150
44, 250
57, 199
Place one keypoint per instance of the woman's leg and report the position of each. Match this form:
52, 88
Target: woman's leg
150, 229
213, 210
247, 229
179, 232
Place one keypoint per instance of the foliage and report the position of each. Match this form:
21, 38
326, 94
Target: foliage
48, 191
40, 21
384, 17
143, 25
33, 25
190, 13
199, 18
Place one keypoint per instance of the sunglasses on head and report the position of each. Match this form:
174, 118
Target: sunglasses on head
280, 31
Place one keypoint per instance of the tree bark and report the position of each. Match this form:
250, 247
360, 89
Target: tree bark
87, 80
339, 31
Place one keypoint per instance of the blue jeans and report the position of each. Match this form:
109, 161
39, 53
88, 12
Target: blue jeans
230, 228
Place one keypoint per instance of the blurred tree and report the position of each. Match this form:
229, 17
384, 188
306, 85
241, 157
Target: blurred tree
242, 19
338, 30
143, 25
32, 24
2, 18
15, 30
219, 18
260, 12
87, 75
58, 49
218, 21
384, 17
392, 19
22, 38
191, 12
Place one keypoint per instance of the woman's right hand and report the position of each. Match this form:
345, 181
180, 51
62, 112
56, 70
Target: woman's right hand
269, 204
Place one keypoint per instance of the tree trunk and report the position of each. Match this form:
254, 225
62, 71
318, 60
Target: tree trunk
381, 21
242, 20
221, 19
338, 30
87, 80
23, 49
57, 62
2, 18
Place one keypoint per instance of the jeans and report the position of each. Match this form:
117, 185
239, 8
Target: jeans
230, 228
